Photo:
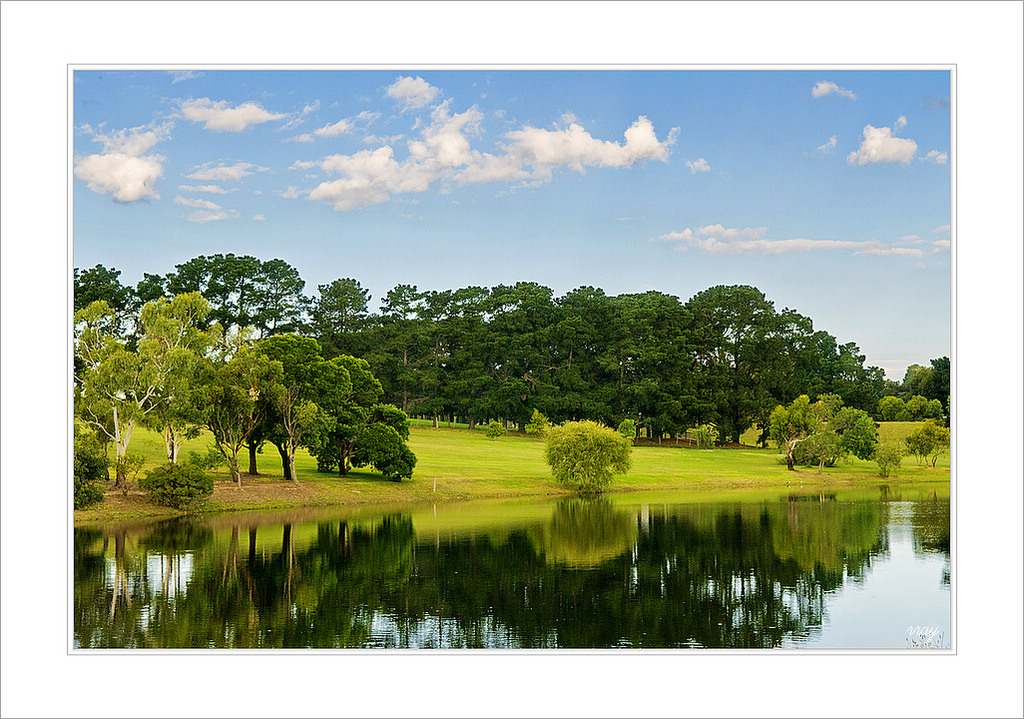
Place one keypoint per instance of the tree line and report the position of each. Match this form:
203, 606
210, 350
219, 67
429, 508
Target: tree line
725, 358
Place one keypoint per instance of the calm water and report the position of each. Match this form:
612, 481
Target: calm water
796, 571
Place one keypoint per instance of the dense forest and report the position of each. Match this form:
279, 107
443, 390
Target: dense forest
726, 356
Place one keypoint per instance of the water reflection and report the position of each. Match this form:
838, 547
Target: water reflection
592, 574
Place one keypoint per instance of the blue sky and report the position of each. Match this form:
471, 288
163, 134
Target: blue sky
829, 190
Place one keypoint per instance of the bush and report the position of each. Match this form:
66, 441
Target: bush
929, 442
707, 435
889, 457
91, 465
495, 429
586, 454
381, 446
182, 486
627, 428
538, 423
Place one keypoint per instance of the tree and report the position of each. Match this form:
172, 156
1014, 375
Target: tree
538, 424
791, 425
495, 429
102, 284
183, 486
889, 457
627, 428
586, 454
90, 467
231, 401
339, 315
929, 442
115, 387
893, 409
382, 446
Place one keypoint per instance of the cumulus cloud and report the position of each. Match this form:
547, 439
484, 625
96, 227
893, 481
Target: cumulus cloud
123, 170
939, 158
880, 145
701, 165
305, 137
910, 238
443, 151
941, 246
291, 193
412, 92
828, 146
222, 172
220, 116
939, 230
823, 88
900, 123
260, 218
719, 240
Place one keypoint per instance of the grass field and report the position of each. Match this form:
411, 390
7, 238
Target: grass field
459, 464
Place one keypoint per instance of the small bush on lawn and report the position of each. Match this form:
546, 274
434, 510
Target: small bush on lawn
495, 430
585, 455
182, 486
889, 457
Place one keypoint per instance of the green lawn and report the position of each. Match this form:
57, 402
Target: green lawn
458, 464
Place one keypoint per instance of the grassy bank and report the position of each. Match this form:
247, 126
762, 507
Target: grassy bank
458, 464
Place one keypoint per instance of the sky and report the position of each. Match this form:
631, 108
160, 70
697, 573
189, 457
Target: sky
828, 190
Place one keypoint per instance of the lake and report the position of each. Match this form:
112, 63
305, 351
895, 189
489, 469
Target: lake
864, 569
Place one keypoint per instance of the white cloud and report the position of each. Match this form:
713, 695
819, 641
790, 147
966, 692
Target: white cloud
900, 123
204, 216
828, 146
935, 156
823, 88
940, 229
443, 152
719, 240
182, 75
941, 246
221, 173
338, 128
701, 165
122, 170
910, 238
212, 189
879, 145
291, 193
192, 202
312, 107
222, 117
259, 218
305, 137
412, 92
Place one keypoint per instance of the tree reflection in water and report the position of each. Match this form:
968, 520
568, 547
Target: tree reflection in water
592, 575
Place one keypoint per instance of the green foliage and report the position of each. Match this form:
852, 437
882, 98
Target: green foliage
822, 433
495, 429
627, 428
707, 435
182, 486
929, 442
893, 409
889, 458
382, 446
586, 454
212, 459
538, 424
90, 466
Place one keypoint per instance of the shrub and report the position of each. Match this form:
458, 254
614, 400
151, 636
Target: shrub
91, 465
707, 435
929, 442
889, 457
382, 446
627, 428
182, 486
538, 423
495, 429
586, 454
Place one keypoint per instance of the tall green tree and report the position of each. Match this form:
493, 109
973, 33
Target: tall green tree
339, 316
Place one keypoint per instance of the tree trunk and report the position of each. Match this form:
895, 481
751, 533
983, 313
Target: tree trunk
286, 463
472, 421
253, 446
291, 466
236, 473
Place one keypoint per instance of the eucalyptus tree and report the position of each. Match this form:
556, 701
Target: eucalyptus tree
103, 283
117, 387
397, 346
231, 400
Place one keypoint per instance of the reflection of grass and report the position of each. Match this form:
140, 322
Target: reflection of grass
467, 465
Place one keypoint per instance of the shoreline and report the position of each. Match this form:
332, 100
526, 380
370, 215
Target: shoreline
263, 493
